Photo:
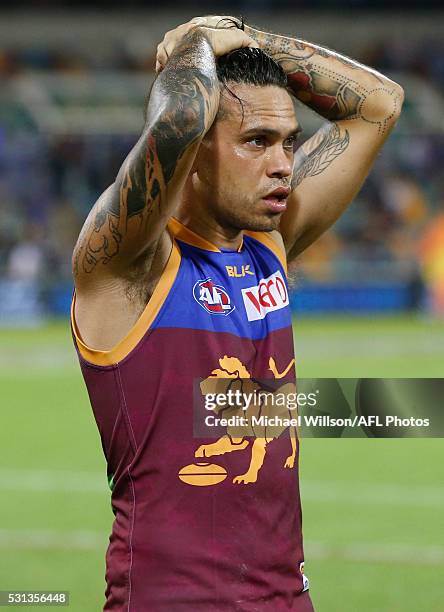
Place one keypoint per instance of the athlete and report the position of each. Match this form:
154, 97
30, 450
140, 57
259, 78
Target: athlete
180, 285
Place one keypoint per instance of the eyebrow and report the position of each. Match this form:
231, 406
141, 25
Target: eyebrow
270, 131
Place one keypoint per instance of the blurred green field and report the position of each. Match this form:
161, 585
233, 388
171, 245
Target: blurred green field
373, 509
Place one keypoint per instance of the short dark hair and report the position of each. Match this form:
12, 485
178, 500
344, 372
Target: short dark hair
250, 66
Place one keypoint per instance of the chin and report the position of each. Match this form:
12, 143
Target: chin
263, 224
251, 221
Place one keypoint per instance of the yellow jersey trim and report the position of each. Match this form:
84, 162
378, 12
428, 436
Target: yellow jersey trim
265, 239
123, 348
183, 233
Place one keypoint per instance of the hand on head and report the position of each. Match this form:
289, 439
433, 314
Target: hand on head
223, 34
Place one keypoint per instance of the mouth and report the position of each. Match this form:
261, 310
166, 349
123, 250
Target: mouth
276, 200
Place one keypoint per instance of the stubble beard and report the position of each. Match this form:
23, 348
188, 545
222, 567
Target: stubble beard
239, 220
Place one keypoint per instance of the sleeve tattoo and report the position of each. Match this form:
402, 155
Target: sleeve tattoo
181, 108
316, 155
331, 84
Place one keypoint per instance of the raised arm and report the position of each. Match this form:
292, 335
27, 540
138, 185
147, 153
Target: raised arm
361, 106
128, 218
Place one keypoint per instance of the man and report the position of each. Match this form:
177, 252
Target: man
180, 280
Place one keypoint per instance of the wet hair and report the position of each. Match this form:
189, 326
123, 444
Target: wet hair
250, 66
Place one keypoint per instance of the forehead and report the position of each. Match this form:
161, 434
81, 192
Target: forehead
268, 106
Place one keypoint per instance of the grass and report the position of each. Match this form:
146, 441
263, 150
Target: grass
373, 514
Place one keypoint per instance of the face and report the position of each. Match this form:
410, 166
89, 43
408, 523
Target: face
243, 168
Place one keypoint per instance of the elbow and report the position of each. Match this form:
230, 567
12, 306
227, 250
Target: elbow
399, 96
396, 106
395, 101
386, 105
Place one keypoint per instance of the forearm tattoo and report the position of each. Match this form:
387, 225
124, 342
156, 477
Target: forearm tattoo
182, 106
334, 86
316, 155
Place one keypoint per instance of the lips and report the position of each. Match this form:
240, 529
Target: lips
276, 200
281, 193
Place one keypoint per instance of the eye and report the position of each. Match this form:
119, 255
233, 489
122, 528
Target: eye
291, 143
258, 141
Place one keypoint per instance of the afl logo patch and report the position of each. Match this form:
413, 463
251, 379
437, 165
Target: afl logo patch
213, 298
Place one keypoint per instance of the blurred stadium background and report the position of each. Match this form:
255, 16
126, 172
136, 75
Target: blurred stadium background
368, 297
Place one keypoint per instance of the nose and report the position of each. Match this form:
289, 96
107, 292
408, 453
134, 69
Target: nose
279, 162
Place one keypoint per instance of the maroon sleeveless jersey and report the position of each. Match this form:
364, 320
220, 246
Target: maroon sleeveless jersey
202, 524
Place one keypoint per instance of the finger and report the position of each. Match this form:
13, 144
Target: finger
226, 22
247, 41
162, 56
168, 49
218, 21
177, 33
207, 20
160, 51
162, 42
174, 36
199, 20
236, 39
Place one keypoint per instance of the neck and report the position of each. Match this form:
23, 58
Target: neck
196, 216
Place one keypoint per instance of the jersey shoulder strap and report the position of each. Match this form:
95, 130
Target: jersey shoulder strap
268, 241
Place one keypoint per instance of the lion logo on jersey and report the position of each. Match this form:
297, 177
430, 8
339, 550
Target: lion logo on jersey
232, 374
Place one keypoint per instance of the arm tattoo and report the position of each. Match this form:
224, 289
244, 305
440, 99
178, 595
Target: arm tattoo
99, 239
181, 109
334, 86
316, 155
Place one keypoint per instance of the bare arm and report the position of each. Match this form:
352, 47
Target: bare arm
129, 217
361, 106
124, 246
